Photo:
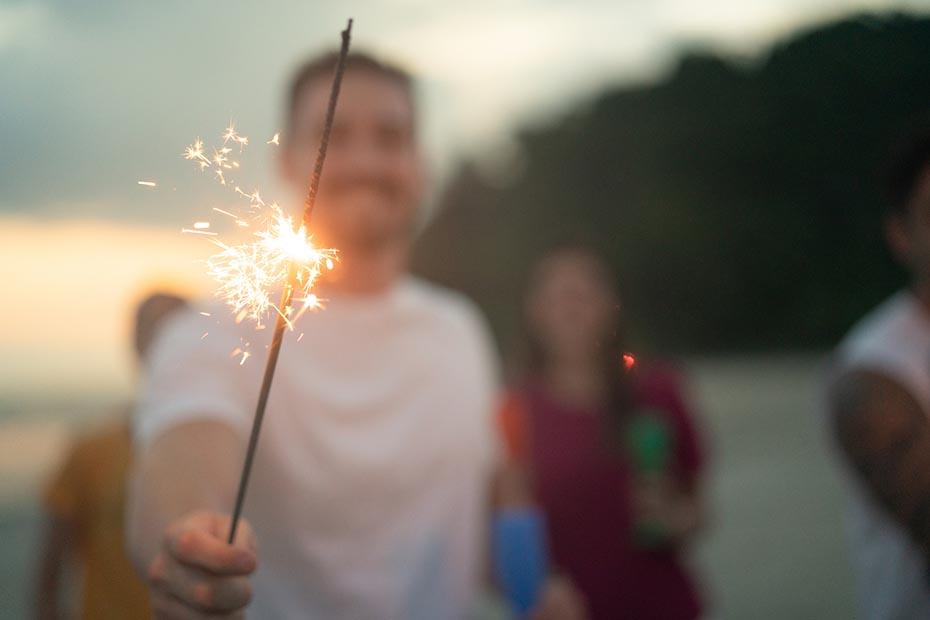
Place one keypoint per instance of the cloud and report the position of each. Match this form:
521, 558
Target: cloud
20, 24
99, 94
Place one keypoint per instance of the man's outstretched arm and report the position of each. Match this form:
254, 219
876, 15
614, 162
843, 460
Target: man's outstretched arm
885, 434
183, 487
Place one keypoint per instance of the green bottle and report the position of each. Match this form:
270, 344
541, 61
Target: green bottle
649, 441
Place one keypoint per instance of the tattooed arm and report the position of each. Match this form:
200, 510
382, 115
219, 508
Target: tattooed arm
885, 434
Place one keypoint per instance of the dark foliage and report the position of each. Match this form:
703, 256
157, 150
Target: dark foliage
740, 204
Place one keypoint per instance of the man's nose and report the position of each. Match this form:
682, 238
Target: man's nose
363, 159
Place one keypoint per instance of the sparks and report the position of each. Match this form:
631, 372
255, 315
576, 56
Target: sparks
146, 183
230, 132
219, 158
218, 210
275, 139
194, 152
249, 273
194, 231
278, 254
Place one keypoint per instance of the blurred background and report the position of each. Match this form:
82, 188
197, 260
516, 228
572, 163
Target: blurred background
723, 155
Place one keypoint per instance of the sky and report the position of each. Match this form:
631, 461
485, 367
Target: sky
99, 94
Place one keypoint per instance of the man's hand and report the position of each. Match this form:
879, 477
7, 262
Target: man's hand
560, 600
197, 575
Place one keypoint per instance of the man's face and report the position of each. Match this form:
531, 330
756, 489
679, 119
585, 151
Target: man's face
373, 179
909, 233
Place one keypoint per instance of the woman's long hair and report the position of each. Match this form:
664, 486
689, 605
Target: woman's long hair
612, 351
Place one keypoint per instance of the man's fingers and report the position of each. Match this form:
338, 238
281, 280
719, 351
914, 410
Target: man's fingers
166, 607
198, 575
199, 589
199, 548
245, 537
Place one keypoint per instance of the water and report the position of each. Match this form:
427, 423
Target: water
18, 535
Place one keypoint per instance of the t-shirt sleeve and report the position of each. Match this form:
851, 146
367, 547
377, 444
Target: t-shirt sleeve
664, 387
479, 353
191, 377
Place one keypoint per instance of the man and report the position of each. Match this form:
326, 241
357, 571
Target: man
879, 401
85, 503
369, 486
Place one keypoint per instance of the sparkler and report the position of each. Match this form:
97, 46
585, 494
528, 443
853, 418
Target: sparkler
301, 269
282, 254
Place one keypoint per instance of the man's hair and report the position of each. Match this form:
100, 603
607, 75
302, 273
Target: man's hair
324, 66
909, 161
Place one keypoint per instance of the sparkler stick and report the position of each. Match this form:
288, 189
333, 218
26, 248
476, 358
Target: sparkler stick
288, 294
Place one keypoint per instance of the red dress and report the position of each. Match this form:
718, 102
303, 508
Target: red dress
582, 484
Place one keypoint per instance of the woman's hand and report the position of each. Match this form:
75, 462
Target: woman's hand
560, 600
660, 505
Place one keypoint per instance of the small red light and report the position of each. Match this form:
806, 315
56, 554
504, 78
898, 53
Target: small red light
628, 361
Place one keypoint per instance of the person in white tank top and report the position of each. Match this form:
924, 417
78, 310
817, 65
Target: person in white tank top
879, 413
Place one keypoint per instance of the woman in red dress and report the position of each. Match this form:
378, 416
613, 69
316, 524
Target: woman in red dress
605, 447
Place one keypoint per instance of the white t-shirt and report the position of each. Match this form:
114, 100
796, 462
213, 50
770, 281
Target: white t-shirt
369, 487
891, 573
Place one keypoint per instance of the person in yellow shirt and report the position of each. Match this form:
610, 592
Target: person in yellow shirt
85, 502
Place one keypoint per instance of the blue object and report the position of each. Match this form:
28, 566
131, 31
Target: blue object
520, 556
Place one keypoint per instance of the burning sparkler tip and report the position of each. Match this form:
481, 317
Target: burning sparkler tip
281, 253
